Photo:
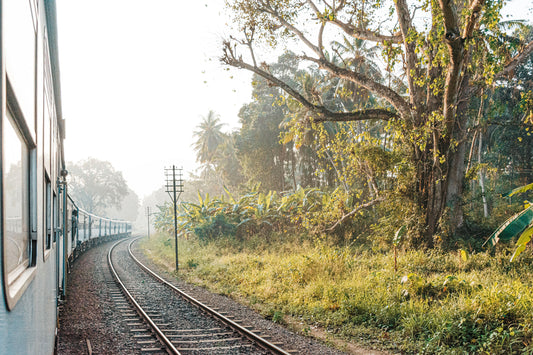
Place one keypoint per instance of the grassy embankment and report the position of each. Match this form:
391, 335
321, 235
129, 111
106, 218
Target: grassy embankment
435, 303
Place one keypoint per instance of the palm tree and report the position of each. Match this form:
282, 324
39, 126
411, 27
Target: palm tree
208, 137
355, 55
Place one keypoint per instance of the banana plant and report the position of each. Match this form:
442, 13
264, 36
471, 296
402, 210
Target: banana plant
396, 242
521, 224
255, 210
521, 243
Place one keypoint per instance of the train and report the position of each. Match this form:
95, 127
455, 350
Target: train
42, 229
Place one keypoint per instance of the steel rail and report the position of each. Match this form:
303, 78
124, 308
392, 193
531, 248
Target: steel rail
159, 334
263, 343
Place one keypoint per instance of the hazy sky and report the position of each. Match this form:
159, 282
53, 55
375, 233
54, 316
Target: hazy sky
138, 75
136, 78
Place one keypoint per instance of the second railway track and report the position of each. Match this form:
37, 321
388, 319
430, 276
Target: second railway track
181, 324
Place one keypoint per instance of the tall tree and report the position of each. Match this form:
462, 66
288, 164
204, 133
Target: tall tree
208, 136
259, 150
443, 62
228, 166
95, 185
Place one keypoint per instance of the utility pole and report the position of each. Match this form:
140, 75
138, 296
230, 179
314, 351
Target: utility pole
148, 215
174, 188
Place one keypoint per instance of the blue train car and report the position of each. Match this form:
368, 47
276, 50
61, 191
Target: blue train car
32, 164
41, 228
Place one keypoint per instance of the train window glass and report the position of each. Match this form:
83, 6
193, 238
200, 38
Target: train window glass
48, 104
17, 248
48, 216
90, 227
84, 227
20, 54
57, 219
33, 203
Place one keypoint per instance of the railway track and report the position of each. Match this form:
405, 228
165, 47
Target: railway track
165, 319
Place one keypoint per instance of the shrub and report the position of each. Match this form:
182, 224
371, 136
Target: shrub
214, 227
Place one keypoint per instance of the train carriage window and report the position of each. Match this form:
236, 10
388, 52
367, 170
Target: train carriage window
90, 228
19, 189
85, 227
48, 212
17, 247
19, 49
57, 227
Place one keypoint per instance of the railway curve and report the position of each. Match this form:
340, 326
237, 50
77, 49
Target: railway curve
96, 316
186, 325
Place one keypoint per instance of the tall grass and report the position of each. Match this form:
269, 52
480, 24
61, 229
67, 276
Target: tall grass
436, 302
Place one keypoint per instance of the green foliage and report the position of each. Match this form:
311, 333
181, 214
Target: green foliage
437, 303
396, 242
214, 227
306, 209
208, 137
398, 236
431, 83
464, 255
192, 263
216, 151
520, 190
277, 317
521, 224
522, 242
164, 219
263, 158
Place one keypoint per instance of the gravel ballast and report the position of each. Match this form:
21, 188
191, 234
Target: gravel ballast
290, 340
89, 318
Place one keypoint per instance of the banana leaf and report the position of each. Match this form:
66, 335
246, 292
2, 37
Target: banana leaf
519, 190
513, 227
521, 243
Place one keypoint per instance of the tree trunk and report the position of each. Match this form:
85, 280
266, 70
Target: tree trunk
482, 179
440, 186
426, 195
454, 187
293, 164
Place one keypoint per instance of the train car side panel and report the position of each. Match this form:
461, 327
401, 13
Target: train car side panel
29, 284
41, 229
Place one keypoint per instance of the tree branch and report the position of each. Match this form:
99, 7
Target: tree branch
471, 23
321, 40
390, 95
361, 115
357, 209
352, 31
248, 43
322, 112
412, 69
387, 93
267, 8
511, 65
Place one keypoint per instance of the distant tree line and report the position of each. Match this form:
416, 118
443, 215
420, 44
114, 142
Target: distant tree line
98, 188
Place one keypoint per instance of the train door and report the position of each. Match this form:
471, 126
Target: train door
74, 232
61, 235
